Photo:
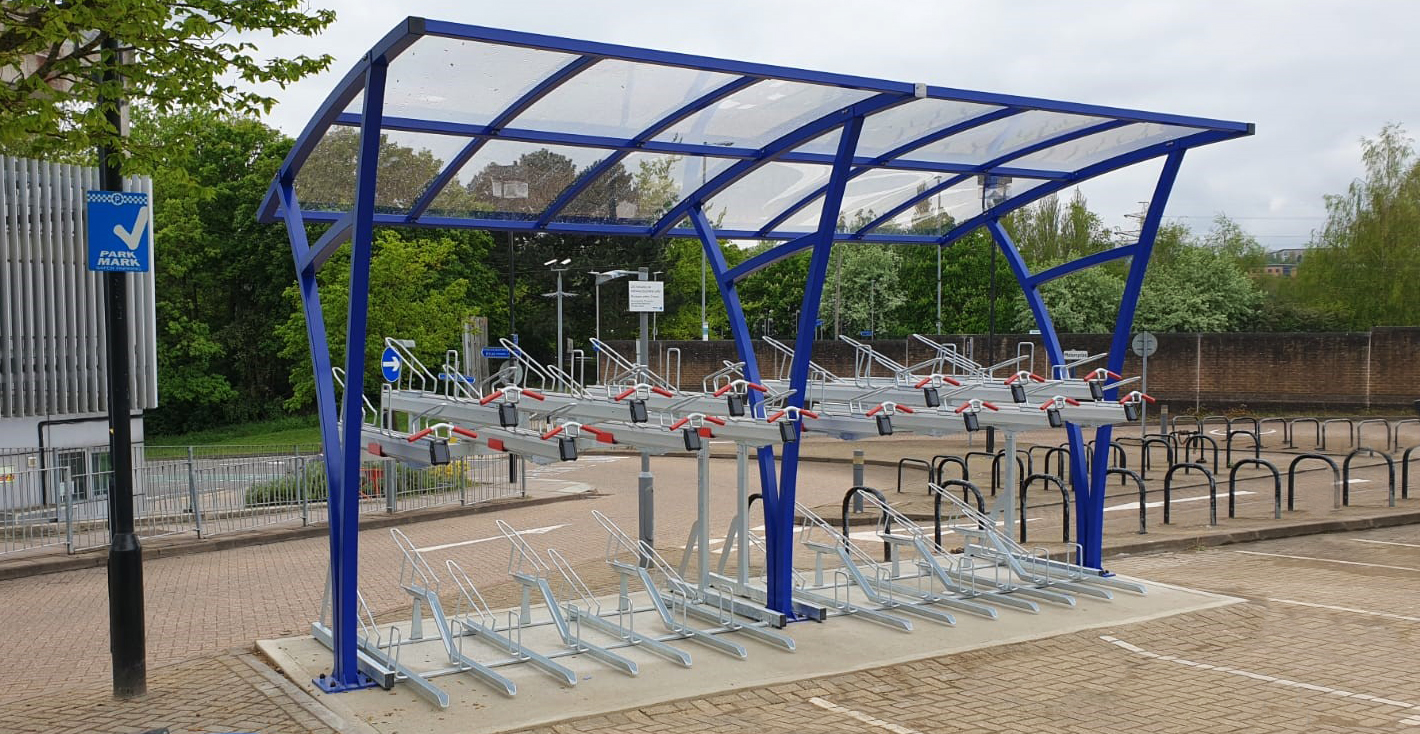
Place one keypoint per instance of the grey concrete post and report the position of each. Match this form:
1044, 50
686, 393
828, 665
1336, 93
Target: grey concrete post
192, 492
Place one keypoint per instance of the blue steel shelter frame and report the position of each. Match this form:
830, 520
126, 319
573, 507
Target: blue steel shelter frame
359, 102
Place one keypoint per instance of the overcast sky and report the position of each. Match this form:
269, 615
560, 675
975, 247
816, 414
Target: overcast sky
1315, 77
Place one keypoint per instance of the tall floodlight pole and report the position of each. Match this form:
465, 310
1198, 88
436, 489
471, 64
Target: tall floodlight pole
127, 638
993, 192
512, 322
559, 267
704, 323
938, 222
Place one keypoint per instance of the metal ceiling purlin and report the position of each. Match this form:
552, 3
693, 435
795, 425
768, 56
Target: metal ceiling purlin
369, 75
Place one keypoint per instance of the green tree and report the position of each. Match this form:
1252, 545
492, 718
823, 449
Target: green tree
182, 55
410, 297
219, 274
1365, 262
1202, 289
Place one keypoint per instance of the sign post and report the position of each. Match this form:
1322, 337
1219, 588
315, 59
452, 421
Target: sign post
119, 242
1144, 344
645, 296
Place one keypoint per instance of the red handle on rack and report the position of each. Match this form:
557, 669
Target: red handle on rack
756, 386
723, 390
809, 413
962, 408
663, 392
464, 432
777, 416
716, 421
679, 423
552, 432
985, 404
535, 395
625, 393
876, 410
602, 436
1142, 396
905, 409
419, 435
490, 397
923, 382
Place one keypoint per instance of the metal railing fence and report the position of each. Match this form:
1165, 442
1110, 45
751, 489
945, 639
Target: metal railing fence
62, 500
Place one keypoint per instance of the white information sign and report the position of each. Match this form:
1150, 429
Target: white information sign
646, 296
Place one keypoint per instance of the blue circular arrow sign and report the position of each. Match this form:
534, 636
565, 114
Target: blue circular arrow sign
390, 365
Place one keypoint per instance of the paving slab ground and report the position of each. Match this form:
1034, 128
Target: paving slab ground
1329, 623
840, 645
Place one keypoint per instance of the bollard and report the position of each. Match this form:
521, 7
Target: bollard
857, 479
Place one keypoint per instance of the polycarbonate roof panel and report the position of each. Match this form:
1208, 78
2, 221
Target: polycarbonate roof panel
618, 98
451, 80
953, 205
408, 163
641, 187
866, 197
997, 139
484, 127
1092, 149
890, 129
754, 200
507, 180
760, 113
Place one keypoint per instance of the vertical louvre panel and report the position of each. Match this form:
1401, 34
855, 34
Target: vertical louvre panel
9, 183
27, 294
52, 358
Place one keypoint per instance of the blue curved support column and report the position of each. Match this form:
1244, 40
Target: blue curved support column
1085, 522
744, 345
1090, 490
345, 483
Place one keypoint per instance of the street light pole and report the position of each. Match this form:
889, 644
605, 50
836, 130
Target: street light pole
704, 324
558, 294
127, 637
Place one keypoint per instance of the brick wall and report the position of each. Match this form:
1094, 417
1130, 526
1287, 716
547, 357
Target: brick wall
1377, 369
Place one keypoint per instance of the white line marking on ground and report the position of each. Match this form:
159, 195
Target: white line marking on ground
1160, 503
1387, 542
1329, 560
1387, 615
530, 531
1413, 720
859, 715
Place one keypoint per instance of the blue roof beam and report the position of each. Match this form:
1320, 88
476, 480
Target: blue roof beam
907, 147
991, 166
665, 123
776, 150
531, 97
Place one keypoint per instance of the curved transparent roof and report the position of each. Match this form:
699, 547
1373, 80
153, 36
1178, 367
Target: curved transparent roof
495, 129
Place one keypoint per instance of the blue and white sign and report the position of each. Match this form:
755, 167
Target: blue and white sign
390, 365
818, 322
120, 238
496, 353
865, 332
